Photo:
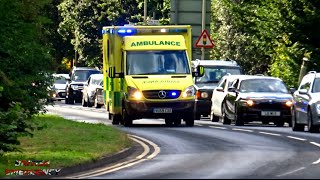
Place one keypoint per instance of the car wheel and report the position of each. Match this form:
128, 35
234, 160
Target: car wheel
116, 119
189, 120
198, 116
225, 119
84, 103
127, 119
295, 125
90, 104
168, 121
279, 123
96, 105
311, 127
214, 118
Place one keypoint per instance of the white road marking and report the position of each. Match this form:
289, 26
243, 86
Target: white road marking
156, 147
217, 127
126, 164
291, 172
261, 132
246, 130
316, 162
296, 138
314, 143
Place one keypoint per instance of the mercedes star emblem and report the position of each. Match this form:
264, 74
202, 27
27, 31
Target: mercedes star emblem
162, 94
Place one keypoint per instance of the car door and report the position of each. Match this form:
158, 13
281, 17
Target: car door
85, 88
301, 99
218, 96
231, 98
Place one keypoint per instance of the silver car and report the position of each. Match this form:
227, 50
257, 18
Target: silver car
306, 107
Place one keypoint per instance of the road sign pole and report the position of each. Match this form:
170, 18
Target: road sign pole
203, 25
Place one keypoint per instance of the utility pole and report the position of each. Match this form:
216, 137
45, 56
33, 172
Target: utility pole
303, 69
204, 9
145, 11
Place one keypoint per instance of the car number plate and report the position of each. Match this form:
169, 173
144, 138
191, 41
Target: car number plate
270, 113
162, 110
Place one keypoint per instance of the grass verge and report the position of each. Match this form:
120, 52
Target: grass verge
65, 143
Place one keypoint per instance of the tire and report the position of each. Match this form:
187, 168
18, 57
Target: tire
295, 125
279, 123
84, 102
177, 122
198, 116
214, 118
311, 127
189, 120
116, 119
126, 118
225, 119
169, 122
96, 105
90, 104
265, 122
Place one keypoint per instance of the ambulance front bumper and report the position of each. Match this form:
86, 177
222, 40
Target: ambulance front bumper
147, 109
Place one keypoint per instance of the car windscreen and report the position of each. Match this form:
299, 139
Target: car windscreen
157, 62
83, 75
60, 80
213, 74
263, 85
316, 85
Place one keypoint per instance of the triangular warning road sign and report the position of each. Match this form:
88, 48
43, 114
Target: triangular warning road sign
204, 40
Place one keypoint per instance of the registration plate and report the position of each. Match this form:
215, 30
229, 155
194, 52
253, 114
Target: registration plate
270, 113
162, 110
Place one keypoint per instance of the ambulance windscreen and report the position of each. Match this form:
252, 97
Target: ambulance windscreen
157, 62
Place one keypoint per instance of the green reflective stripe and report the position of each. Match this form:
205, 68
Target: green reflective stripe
117, 99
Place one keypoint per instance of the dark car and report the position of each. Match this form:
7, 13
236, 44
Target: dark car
214, 70
78, 77
257, 98
306, 106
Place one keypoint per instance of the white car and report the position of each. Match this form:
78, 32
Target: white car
89, 89
218, 96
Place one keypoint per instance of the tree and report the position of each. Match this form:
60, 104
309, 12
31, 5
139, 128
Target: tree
25, 64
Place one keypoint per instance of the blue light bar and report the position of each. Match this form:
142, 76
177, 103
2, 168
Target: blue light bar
126, 32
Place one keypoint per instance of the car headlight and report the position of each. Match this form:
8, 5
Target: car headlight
318, 108
202, 95
188, 92
134, 93
75, 87
289, 103
246, 102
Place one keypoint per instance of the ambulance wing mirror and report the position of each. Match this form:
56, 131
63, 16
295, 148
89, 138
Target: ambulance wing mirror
112, 73
199, 71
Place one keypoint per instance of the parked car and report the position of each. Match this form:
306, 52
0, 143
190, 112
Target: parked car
257, 98
90, 88
58, 90
214, 70
99, 98
74, 87
306, 104
218, 95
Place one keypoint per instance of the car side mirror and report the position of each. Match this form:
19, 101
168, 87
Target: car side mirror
232, 89
220, 89
303, 91
199, 71
292, 90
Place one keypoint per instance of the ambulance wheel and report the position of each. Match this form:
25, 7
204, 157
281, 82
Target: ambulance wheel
189, 120
169, 121
116, 118
127, 119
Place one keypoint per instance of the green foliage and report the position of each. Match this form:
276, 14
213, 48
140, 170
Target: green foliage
82, 22
25, 64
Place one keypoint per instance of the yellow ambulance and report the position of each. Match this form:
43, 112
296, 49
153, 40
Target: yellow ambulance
147, 74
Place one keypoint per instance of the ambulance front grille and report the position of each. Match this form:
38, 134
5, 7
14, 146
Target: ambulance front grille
161, 94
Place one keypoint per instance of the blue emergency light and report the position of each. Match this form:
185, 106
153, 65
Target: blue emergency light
126, 32
174, 94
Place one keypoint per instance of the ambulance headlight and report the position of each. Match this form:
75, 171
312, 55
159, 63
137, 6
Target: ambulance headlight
188, 92
134, 93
